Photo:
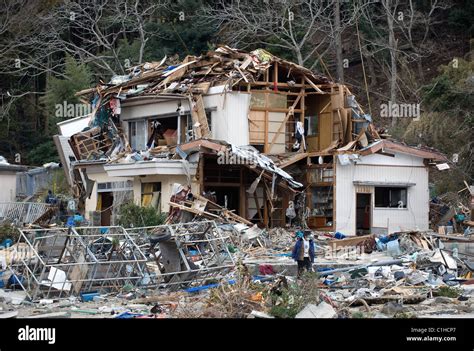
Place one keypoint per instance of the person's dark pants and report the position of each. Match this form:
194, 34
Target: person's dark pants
304, 265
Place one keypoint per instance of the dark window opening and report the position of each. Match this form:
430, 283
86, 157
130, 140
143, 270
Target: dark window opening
311, 125
391, 197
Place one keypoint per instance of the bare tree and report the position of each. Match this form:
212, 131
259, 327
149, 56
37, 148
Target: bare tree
25, 45
390, 7
92, 31
401, 27
303, 27
417, 25
338, 41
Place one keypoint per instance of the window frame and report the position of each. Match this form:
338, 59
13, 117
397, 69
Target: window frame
403, 197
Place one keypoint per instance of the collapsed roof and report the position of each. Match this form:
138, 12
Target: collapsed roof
193, 75
104, 140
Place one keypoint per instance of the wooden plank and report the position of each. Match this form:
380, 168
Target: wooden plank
79, 272
302, 108
192, 210
199, 110
234, 216
275, 76
352, 241
325, 130
195, 119
314, 86
293, 159
265, 136
275, 109
257, 131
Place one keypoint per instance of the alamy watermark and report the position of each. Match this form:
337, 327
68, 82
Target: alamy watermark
230, 158
348, 252
37, 334
396, 110
69, 110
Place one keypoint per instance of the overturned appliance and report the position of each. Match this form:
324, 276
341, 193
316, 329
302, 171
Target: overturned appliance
187, 253
71, 261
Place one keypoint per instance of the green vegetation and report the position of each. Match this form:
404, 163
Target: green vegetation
448, 121
288, 301
448, 291
7, 231
131, 215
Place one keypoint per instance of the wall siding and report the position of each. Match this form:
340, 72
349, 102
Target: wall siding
378, 168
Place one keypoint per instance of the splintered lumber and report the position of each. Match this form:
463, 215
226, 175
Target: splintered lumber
314, 86
201, 116
338, 243
225, 212
193, 210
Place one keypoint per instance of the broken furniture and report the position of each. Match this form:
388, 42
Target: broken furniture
185, 253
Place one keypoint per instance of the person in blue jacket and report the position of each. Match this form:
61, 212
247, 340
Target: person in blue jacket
303, 252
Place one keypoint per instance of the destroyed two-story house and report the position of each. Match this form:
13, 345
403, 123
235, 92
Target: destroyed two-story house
255, 133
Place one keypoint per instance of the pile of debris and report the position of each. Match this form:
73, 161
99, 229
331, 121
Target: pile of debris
226, 268
196, 75
451, 213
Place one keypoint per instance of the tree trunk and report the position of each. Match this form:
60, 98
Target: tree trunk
370, 62
392, 45
299, 56
338, 42
421, 75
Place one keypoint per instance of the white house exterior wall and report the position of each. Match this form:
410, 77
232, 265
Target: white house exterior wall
383, 169
229, 113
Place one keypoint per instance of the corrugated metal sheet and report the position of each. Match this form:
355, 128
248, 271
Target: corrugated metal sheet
31, 182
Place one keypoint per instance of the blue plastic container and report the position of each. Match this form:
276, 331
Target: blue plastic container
89, 296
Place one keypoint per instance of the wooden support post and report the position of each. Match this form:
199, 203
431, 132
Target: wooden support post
265, 208
265, 147
257, 204
201, 173
275, 76
302, 105
334, 164
195, 119
243, 206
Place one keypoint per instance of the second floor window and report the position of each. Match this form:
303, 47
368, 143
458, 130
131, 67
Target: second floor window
138, 135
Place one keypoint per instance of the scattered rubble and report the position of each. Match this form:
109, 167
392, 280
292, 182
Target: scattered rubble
208, 261
215, 268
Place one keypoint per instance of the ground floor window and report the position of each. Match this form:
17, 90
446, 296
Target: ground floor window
391, 197
151, 194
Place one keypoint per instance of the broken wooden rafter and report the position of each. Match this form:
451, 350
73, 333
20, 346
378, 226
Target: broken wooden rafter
314, 86
283, 123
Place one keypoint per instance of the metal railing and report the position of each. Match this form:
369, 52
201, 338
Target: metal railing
22, 212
